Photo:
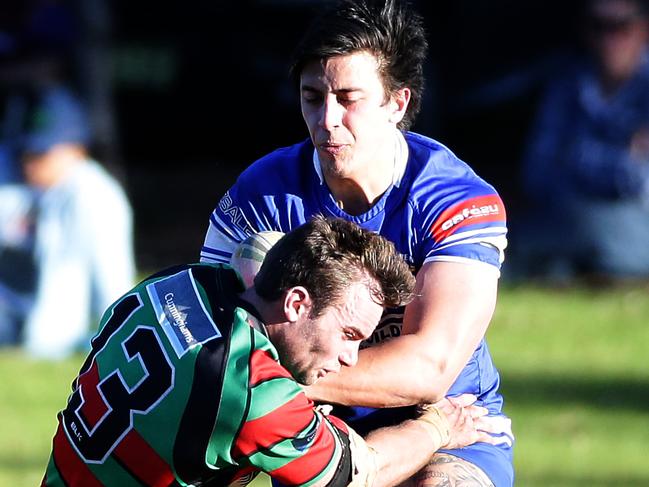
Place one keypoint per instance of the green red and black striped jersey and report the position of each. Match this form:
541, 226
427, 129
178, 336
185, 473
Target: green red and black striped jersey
183, 387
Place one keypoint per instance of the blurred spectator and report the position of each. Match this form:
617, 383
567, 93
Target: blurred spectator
66, 249
586, 168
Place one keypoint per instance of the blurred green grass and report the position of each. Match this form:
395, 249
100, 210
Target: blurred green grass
574, 370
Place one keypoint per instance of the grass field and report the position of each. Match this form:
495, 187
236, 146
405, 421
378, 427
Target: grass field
575, 376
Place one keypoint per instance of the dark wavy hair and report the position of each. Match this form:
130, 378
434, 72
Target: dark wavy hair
328, 255
389, 29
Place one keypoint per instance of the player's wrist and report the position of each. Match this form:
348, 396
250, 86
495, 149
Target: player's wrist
436, 425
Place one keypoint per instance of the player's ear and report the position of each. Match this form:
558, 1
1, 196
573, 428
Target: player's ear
297, 304
399, 104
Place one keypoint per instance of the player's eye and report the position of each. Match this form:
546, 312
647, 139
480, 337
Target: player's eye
311, 98
352, 335
347, 101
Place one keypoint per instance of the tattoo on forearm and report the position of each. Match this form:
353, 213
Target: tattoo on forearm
449, 471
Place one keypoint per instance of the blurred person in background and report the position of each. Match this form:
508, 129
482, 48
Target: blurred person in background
66, 236
586, 166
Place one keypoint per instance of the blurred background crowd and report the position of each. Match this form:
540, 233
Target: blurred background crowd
122, 123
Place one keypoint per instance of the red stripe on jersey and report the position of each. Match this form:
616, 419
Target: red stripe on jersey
73, 470
143, 461
263, 367
287, 421
94, 408
338, 423
481, 209
312, 462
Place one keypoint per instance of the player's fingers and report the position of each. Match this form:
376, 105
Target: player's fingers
482, 437
451, 413
462, 400
494, 424
498, 428
477, 411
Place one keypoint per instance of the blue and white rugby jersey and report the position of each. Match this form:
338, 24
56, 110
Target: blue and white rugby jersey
437, 209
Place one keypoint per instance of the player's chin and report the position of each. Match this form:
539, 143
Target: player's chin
312, 377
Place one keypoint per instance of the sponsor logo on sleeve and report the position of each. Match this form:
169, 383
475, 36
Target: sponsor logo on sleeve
302, 443
234, 213
478, 210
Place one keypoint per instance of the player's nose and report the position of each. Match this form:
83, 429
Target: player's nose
349, 356
330, 114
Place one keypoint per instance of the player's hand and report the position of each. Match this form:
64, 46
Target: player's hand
469, 423
500, 427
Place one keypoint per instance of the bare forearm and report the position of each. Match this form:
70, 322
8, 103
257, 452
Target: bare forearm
397, 460
440, 332
386, 377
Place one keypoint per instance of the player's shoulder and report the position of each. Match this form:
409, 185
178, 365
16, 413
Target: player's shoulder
429, 158
435, 171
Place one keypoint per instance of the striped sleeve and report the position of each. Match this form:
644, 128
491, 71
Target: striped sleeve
242, 211
470, 228
284, 435
227, 227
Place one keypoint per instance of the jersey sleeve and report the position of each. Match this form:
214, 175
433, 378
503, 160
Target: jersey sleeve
268, 195
285, 436
235, 217
468, 225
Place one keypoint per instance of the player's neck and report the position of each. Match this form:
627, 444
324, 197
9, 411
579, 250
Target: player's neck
356, 197
269, 312
357, 192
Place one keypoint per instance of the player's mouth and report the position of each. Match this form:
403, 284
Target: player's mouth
323, 372
332, 149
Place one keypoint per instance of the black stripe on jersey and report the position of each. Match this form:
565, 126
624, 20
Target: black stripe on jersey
121, 312
139, 480
204, 400
169, 271
343, 475
247, 407
201, 410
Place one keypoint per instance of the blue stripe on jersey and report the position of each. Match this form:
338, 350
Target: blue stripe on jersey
215, 253
232, 232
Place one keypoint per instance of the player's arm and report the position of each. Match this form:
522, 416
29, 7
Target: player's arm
296, 444
387, 456
442, 328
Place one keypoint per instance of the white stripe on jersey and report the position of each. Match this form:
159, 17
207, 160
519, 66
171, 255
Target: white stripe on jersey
479, 240
236, 235
460, 260
499, 242
221, 242
481, 231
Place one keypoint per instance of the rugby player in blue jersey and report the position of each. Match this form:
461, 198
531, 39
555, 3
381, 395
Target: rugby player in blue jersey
359, 69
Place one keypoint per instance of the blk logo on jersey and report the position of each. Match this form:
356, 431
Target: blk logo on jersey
474, 211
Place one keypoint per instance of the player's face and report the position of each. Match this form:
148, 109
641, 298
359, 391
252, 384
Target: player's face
350, 119
323, 345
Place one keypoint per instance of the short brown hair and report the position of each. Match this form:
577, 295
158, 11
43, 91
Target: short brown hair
390, 30
326, 256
